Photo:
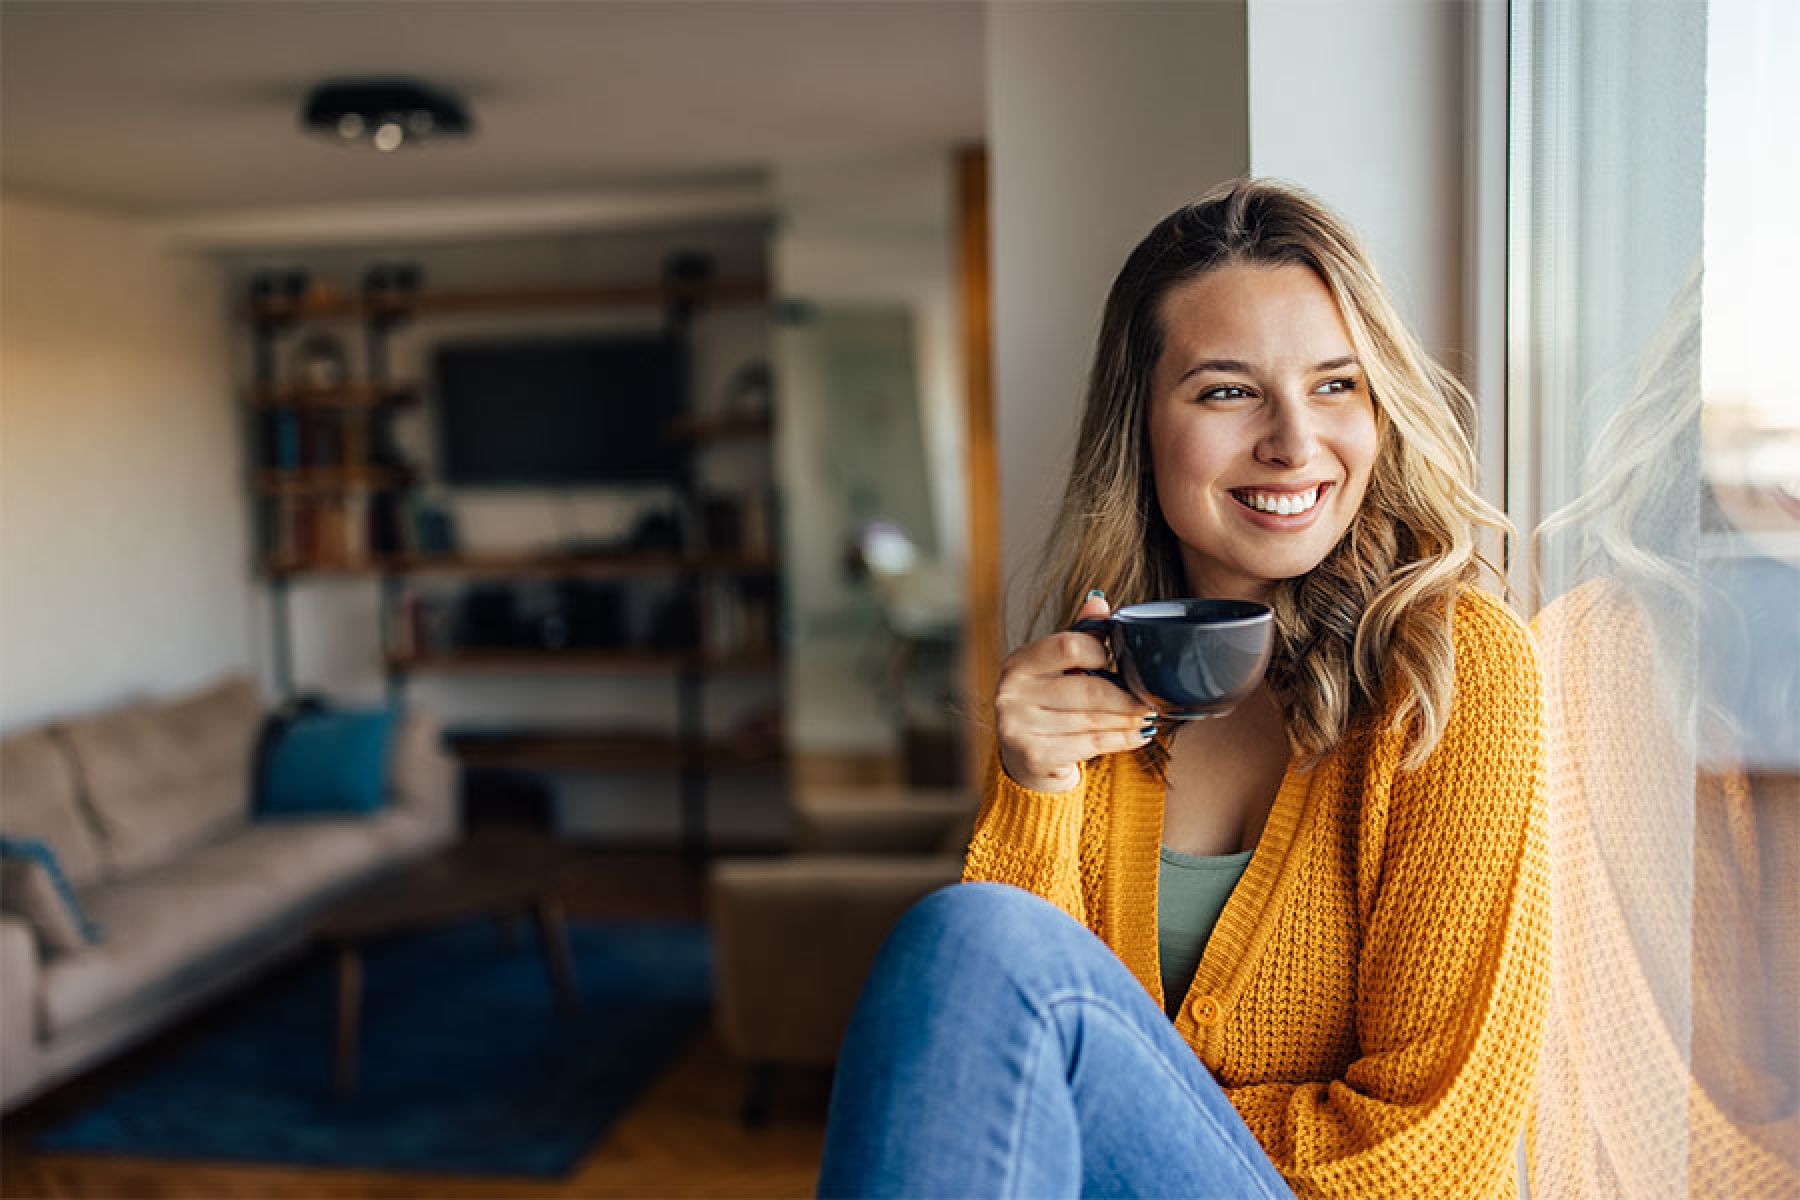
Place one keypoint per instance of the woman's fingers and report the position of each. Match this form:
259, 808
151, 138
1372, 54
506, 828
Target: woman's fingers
1053, 711
1050, 763
1091, 694
1057, 653
1067, 692
1041, 747
1094, 606
1051, 722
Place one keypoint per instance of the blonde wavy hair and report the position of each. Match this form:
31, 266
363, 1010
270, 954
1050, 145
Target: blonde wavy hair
1369, 629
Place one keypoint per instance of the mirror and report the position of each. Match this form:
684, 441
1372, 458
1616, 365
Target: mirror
871, 459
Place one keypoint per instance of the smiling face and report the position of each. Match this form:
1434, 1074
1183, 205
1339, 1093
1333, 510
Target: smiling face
1262, 430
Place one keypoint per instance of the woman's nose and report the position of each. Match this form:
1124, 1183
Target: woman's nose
1290, 439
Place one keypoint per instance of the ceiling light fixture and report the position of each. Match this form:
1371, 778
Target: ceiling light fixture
385, 114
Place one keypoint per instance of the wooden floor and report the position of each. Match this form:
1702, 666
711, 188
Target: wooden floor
683, 1139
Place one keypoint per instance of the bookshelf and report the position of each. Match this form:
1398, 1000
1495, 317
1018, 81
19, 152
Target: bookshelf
336, 498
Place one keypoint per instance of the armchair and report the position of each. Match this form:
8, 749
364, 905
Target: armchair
796, 935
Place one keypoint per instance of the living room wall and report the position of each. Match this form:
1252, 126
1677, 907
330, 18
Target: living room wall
123, 546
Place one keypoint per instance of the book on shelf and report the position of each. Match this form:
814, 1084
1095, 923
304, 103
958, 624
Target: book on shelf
416, 625
740, 619
349, 439
351, 513
282, 433
313, 449
351, 529
429, 529
353, 446
759, 522
387, 537
330, 529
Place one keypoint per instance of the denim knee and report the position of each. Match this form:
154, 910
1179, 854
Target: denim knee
981, 911
991, 922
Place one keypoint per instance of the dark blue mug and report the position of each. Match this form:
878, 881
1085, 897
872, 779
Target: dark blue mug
1187, 659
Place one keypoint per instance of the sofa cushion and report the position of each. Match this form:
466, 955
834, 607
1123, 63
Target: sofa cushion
162, 777
33, 886
181, 918
298, 857
39, 800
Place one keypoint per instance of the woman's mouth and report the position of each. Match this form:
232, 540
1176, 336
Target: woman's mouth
1280, 504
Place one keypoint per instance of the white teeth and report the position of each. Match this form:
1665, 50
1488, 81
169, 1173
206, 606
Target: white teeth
1285, 504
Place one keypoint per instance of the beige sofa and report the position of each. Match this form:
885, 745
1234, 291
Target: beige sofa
147, 809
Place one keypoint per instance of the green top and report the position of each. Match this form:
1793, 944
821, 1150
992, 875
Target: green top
1191, 893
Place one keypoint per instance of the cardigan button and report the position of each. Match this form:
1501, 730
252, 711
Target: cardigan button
1207, 1010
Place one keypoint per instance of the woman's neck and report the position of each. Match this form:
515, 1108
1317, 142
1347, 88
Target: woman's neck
1223, 776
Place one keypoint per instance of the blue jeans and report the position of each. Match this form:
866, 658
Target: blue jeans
1001, 1049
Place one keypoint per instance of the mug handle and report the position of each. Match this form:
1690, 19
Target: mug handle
1097, 627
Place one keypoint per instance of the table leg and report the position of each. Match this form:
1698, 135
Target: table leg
349, 1016
556, 951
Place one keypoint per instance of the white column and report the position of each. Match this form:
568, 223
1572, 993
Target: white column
1102, 117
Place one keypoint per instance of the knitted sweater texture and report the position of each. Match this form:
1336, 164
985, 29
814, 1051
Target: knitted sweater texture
1372, 997
1669, 1048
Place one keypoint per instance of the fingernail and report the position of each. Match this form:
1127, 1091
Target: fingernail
1096, 594
1148, 730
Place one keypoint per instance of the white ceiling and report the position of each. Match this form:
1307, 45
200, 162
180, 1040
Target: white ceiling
179, 109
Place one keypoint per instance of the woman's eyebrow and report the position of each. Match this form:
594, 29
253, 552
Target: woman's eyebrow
1223, 366
1237, 366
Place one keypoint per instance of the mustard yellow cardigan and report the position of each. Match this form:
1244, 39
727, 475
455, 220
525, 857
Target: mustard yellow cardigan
1372, 998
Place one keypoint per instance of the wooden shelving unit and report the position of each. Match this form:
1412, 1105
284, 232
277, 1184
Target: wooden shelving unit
645, 661
364, 394
622, 563
722, 427
360, 499
542, 566
399, 305
331, 480
608, 750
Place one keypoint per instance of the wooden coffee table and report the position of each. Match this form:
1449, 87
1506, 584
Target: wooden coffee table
503, 875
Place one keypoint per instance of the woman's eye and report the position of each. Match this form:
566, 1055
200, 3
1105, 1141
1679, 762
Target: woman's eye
1337, 386
1228, 391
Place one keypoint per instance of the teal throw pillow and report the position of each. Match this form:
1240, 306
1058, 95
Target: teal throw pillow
326, 760
33, 886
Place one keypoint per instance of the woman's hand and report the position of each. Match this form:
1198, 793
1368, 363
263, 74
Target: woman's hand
1051, 718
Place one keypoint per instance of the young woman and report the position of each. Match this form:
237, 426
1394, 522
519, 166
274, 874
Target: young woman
1300, 947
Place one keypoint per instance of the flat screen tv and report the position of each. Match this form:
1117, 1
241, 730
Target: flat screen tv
557, 412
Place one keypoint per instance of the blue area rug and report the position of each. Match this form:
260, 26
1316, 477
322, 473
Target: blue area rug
467, 1064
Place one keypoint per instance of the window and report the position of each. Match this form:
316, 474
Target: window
1654, 453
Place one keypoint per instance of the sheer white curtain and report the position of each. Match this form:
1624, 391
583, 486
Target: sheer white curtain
1652, 347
